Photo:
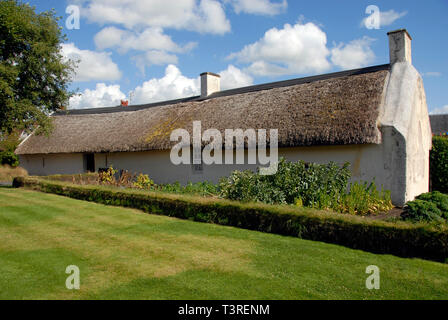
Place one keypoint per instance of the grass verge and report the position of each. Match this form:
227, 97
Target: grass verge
398, 238
125, 254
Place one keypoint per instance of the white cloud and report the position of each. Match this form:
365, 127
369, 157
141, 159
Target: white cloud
154, 57
387, 17
205, 16
442, 110
91, 65
296, 49
159, 58
233, 77
431, 74
102, 96
260, 7
174, 85
355, 54
171, 86
149, 39
158, 47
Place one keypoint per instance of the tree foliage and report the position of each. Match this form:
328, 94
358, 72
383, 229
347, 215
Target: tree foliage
34, 76
9, 142
438, 163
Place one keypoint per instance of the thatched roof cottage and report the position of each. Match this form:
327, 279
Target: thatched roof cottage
376, 118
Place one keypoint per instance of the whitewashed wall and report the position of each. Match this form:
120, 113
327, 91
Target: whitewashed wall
366, 163
406, 134
41, 165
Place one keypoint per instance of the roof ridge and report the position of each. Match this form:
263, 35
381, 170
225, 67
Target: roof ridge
224, 93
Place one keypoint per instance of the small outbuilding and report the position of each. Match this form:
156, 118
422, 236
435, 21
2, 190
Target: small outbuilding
439, 124
376, 118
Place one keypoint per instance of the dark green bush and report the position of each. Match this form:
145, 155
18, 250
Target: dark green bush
248, 186
438, 164
432, 206
402, 239
420, 210
439, 199
314, 185
9, 158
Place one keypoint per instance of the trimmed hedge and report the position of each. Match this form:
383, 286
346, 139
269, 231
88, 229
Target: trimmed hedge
400, 238
428, 207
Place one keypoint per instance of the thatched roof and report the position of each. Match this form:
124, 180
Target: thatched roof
439, 123
333, 109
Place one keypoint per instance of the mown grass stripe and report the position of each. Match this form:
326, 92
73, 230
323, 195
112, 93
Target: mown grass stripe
398, 238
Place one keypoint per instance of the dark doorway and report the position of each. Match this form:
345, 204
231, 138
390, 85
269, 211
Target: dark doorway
89, 162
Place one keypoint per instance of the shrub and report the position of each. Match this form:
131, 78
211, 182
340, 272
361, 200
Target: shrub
420, 210
429, 207
439, 199
9, 158
248, 186
399, 238
316, 185
108, 176
143, 182
438, 164
364, 198
321, 186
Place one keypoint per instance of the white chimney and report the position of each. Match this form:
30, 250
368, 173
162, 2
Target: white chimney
400, 46
210, 83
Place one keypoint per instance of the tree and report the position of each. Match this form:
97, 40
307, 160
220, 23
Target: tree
34, 76
9, 142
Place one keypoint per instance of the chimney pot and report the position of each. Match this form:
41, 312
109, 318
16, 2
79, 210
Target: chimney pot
400, 46
210, 83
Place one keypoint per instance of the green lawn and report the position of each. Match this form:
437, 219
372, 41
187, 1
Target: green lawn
126, 254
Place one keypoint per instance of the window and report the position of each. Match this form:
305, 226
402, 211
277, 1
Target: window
89, 162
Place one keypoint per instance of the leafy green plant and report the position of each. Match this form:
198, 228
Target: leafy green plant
431, 206
318, 186
143, 182
364, 198
438, 163
248, 186
108, 176
321, 186
10, 142
420, 210
9, 158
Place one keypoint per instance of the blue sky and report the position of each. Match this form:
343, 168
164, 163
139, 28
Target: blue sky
156, 49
